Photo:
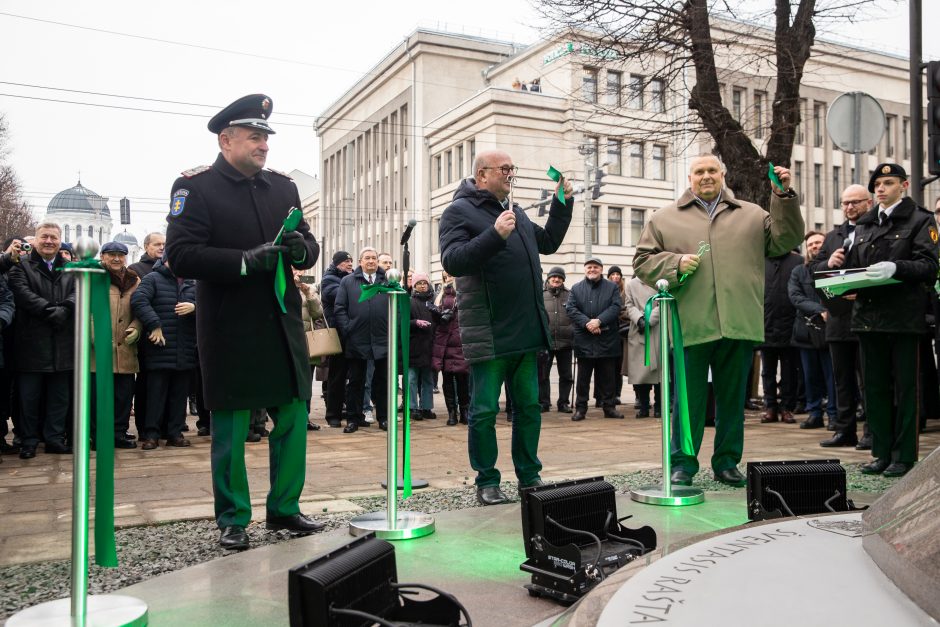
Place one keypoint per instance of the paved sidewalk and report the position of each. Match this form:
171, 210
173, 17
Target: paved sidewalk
174, 484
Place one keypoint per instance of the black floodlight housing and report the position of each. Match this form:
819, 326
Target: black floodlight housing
795, 488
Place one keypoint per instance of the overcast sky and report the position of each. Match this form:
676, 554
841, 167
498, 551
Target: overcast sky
304, 55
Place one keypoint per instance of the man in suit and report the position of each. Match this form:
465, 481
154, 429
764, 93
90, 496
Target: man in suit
223, 220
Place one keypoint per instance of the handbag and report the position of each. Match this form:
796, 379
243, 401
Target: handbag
323, 342
816, 327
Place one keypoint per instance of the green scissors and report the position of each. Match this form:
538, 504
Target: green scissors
703, 247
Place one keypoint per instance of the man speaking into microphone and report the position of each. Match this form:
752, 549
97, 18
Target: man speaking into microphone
492, 248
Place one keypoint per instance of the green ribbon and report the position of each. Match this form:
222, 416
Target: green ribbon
404, 337
291, 222
555, 175
100, 299
678, 358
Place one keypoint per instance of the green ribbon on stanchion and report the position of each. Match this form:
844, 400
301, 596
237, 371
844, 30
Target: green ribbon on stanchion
678, 358
100, 299
291, 222
404, 336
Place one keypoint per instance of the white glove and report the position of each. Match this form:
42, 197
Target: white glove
881, 270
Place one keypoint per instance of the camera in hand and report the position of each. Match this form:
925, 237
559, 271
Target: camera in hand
26, 247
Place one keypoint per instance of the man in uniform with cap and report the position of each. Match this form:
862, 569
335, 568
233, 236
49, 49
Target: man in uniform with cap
897, 242
222, 224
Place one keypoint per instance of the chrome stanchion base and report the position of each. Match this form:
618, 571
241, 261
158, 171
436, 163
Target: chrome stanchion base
416, 484
104, 610
655, 495
410, 525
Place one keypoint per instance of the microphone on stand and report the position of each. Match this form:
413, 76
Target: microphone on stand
407, 234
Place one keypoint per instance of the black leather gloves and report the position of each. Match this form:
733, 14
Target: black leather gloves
262, 258
295, 244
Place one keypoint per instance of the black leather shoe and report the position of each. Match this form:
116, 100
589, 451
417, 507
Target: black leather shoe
121, 443
732, 477
298, 523
564, 408
535, 483
27, 452
876, 467
680, 477
7, 448
544, 407
897, 469
335, 424
578, 415
202, 431
58, 449
312, 427
643, 413
491, 495
351, 427
383, 425
611, 412
864, 444
252, 437
840, 438
815, 422
234, 538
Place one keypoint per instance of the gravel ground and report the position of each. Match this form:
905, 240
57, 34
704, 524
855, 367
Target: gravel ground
145, 552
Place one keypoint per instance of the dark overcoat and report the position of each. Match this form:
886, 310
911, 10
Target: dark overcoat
559, 324
499, 281
154, 304
601, 300
839, 324
909, 239
329, 286
7, 309
448, 350
779, 311
41, 346
252, 355
421, 340
363, 327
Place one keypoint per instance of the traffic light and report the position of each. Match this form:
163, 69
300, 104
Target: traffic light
544, 201
933, 117
125, 211
598, 183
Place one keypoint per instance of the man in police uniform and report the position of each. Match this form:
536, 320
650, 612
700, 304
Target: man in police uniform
894, 240
223, 220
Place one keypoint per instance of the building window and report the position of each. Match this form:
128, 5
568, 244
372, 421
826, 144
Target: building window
659, 163
100, 234
817, 125
906, 137
892, 124
450, 166
798, 178
614, 147
614, 86
67, 231
91, 231
817, 184
614, 226
589, 85
438, 169
593, 146
657, 96
737, 102
759, 98
473, 152
637, 221
595, 210
460, 170
635, 92
836, 187
636, 159
800, 139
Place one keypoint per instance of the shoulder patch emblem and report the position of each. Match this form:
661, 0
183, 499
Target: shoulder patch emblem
199, 169
933, 234
280, 173
178, 202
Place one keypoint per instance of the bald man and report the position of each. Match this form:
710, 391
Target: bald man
721, 298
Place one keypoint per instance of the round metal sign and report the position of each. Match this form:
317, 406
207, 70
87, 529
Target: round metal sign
856, 122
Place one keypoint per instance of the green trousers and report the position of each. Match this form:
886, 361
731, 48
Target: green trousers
287, 447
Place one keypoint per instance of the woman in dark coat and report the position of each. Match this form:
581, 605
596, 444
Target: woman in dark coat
164, 305
420, 375
447, 355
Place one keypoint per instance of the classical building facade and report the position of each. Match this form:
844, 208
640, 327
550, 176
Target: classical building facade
80, 212
397, 144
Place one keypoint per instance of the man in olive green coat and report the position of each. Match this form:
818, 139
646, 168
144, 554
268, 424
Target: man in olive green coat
720, 296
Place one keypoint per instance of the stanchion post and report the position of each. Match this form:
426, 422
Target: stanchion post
392, 524
666, 494
100, 610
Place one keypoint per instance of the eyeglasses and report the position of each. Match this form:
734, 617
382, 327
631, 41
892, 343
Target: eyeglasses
505, 169
852, 203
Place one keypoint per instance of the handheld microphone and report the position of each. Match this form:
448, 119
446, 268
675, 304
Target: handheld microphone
846, 244
408, 230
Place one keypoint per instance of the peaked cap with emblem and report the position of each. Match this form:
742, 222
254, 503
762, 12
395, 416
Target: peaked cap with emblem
885, 169
251, 111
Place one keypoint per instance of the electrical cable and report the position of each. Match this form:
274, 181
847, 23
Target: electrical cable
446, 595
600, 546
